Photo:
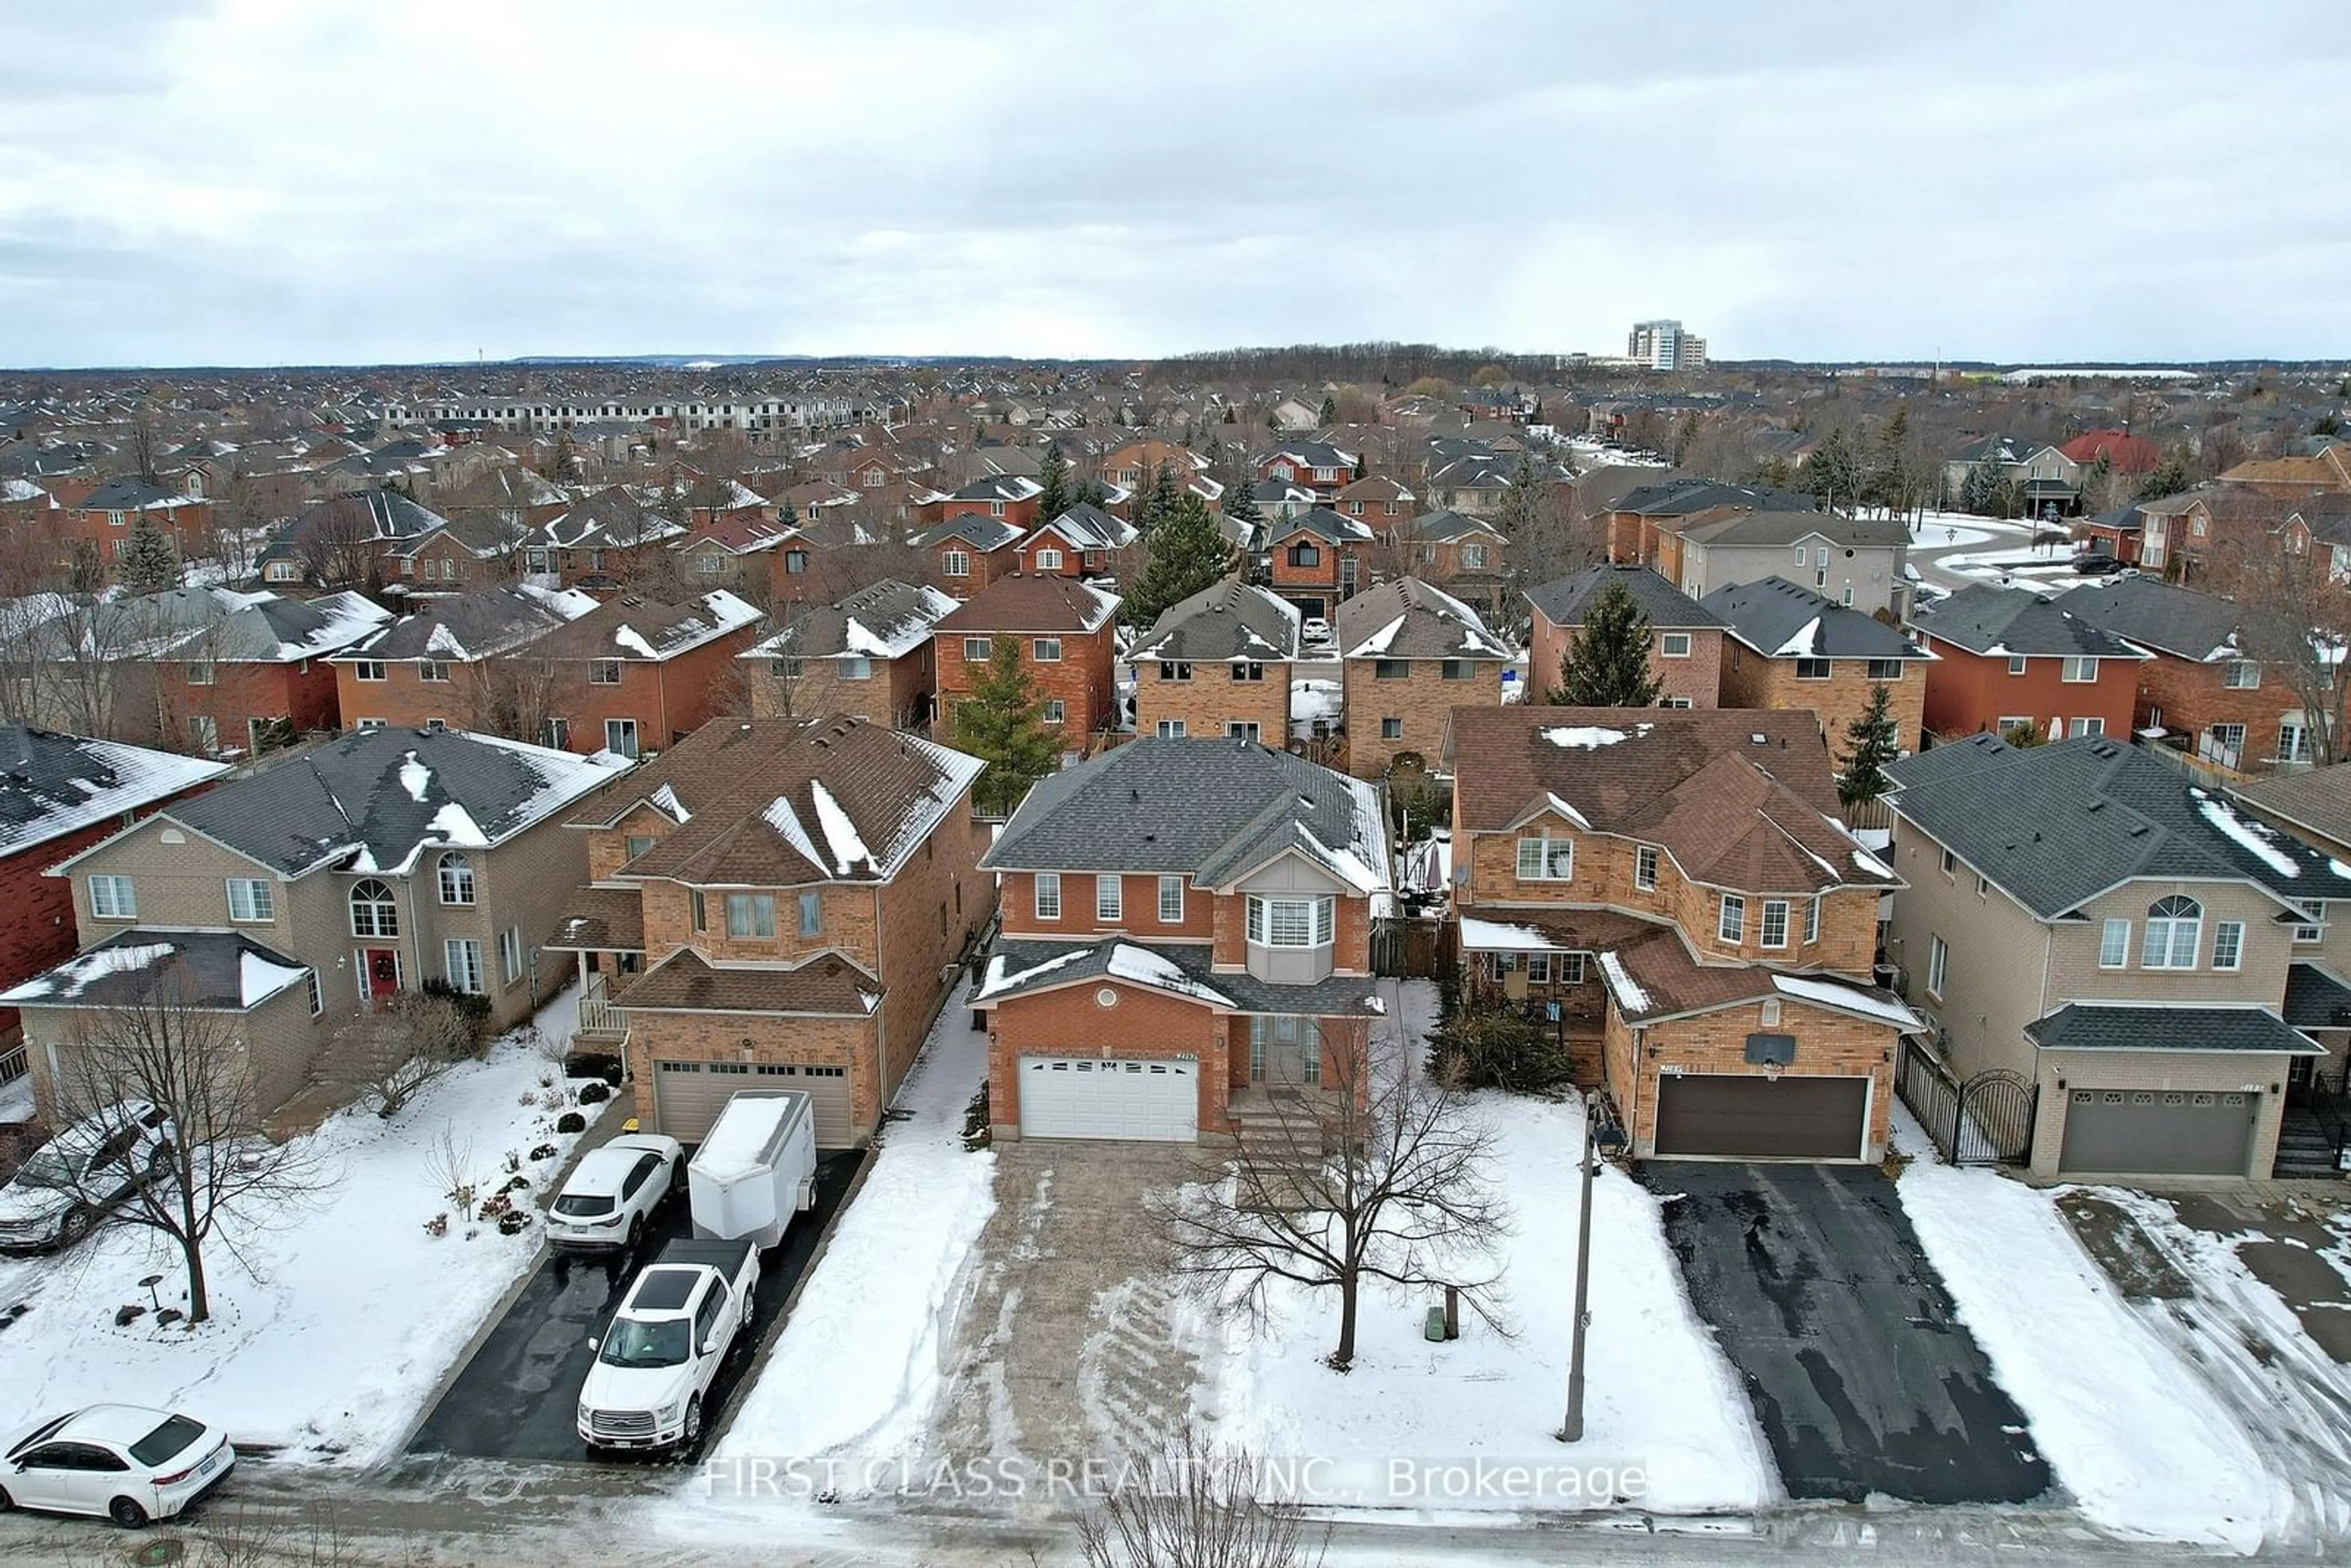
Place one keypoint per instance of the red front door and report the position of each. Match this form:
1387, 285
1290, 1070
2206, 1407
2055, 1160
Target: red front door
382, 973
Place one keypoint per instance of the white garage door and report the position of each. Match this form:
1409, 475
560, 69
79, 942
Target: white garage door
1086, 1097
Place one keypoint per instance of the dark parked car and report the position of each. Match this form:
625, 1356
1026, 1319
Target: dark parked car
2095, 564
64, 1187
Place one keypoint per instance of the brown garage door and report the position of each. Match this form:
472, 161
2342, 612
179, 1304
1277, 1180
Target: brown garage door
688, 1096
1786, 1118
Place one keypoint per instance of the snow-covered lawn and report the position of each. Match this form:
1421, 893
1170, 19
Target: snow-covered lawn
858, 1369
1660, 1400
2144, 1447
330, 1324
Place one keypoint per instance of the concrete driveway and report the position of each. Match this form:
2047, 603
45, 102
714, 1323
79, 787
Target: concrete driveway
518, 1397
1860, 1378
1064, 1352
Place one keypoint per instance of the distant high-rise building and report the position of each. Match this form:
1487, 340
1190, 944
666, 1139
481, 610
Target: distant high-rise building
1664, 346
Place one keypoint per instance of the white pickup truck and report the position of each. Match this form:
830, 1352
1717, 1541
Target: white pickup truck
656, 1359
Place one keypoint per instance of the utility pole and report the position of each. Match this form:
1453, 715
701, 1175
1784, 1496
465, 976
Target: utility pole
1572, 1430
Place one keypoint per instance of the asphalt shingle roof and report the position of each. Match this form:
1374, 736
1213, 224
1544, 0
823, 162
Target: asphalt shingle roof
1563, 601
1022, 603
883, 620
1781, 620
1015, 967
2160, 615
213, 970
2114, 1026
2056, 825
2315, 999
52, 784
1232, 621
1409, 619
2013, 622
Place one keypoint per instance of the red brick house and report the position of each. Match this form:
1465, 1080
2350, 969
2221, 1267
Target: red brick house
775, 904
1409, 655
635, 675
869, 656
1316, 465
1218, 664
60, 795
1788, 647
1462, 555
969, 552
1378, 500
2198, 685
1685, 637
2010, 656
1008, 498
1186, 934
1674, 892
1083, 541
1063, 628
1318, 559
455, 663
104, 520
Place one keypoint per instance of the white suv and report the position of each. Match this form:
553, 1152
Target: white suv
611, 1195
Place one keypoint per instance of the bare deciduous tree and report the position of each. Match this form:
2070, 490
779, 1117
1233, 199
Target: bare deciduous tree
2296, 619
1195, 1505
389, 1056
188, 1061
1381, 1177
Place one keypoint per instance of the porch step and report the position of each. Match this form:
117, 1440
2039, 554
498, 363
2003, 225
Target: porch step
2305, 1150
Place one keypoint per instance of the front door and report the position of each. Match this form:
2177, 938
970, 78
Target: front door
381, 968
1285, 1049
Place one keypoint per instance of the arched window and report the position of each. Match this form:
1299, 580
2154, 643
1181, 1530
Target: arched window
456, 879
373, 912
2175, 928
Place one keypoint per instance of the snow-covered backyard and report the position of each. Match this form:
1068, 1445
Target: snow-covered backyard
1666, 1426
2144, 1447
331, 1323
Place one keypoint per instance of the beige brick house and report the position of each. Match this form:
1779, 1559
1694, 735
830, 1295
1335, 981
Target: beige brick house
1218, 664
775, 904
1672, 891
359, 868
2130, 946
1410, 653
868, 655
1789, 648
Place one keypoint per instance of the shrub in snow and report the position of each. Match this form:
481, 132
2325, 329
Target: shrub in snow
572, 1121
976, 1134
543, 1152
498, 1205
449, 1167
1488, 1047
513, 1223
594, 1092
516, 1183
553, 1099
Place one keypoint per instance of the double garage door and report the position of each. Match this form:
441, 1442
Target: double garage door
688, 1096
1090, 1097
2144, 1132
1734, 1117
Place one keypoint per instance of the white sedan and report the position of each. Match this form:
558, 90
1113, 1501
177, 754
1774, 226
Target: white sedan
610, 1197
121, 1461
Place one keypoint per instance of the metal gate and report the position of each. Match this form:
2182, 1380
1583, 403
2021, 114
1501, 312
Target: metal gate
1986, 1119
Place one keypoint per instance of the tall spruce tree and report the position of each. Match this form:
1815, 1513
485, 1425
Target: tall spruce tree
1053, 475
1239, 505
1159, 501
1606, 663
1872, 744
1516, 514
1832, 474
1330, 410
1002, 723
147, 563
1188, 553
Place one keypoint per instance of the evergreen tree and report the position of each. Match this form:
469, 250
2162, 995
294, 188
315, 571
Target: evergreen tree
1090, 493
1054, 473
1988, 492
147, 563
1330, 414
1188, 553
2169, 477
1159, 500
1606, 663
1240, 505
1775, 473
1002, 723
1833, 474
1873, 746
1516, 515
1889, 469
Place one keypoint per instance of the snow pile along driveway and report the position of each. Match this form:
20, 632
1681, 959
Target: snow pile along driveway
330, 1325
1664, 1417
2138, 1440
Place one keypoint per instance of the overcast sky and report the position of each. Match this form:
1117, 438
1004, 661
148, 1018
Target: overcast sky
308, 183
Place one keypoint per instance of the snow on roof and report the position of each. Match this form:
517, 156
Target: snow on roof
1869, 1004
1552, 798
1001, 977
2254, 837
414, 778
1801, 641
1590, 738
1630, 996
1499, 936
667, 799
1872, 864
1147, 967
456, 826
1377, 642
781, 816
567, 602
840, 833
627, 636
107, 779
77, 974
258, 979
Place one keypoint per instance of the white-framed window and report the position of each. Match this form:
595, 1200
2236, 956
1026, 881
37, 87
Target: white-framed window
1546, 860
456, 878
365, 724
1775, 923
1171, 901
2174, 930
1645, 867
113, 898
286, 571
1673, 645
1240, 729
464, 960
996, 509
751, 917
318, 997
1049, 896
2081, 726
1731, 920
435, 671
1174, 669
1170, 729
2113, 945
976, 650
1110, 897
2240, 675
510, 954
1291, 922
1938, 963
1473, 558
811, 913
1812, 920
251, 898
200, 673
1951, 865
603, 672
1049, 560
2016, 663
374, 911
1052, 712
1045, 650
2294, 743
2314, 927
621, 737
2228, 944
787, 668
368, 670
2078, 669
954, 563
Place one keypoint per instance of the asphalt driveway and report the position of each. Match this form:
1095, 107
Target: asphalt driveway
1861, 1377
519, 1397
